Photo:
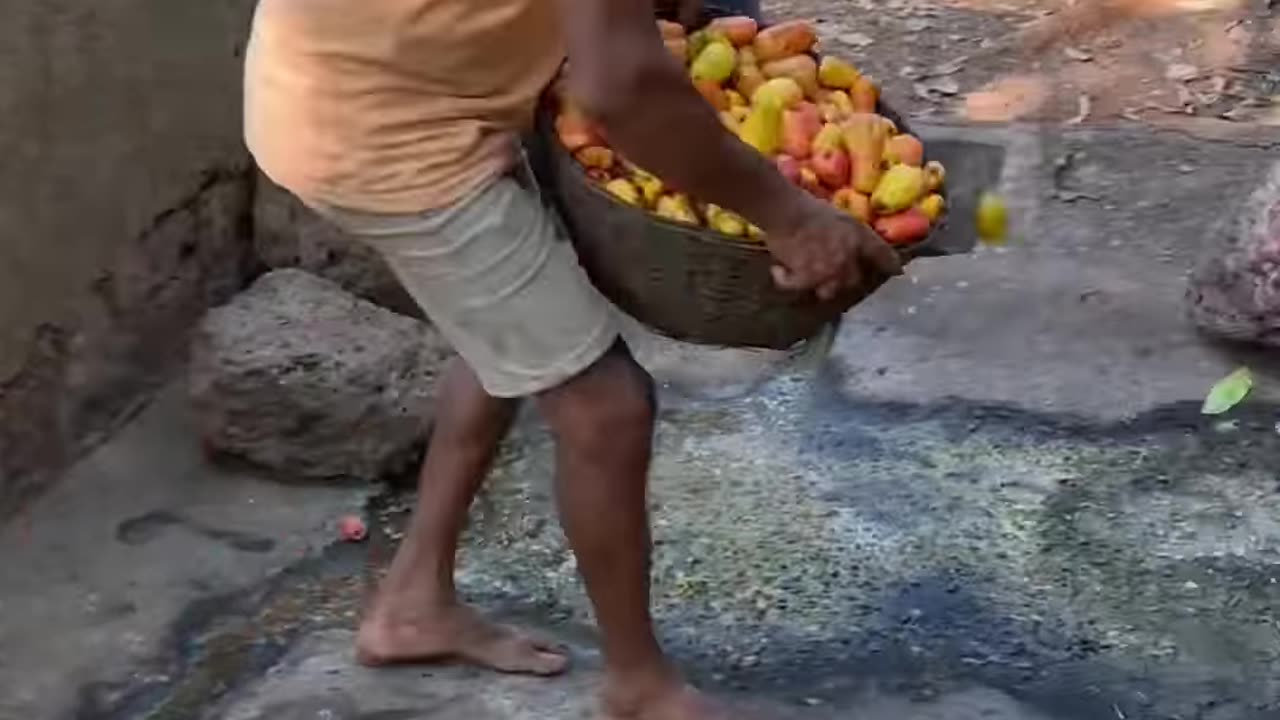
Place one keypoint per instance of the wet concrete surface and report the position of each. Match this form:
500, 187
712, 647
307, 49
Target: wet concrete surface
995, 499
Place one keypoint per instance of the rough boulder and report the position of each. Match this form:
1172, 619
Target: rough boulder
297, 375
1234, 292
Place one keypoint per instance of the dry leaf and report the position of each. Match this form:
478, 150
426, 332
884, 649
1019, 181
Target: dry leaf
991, 219
940, 86
1166, 109
949, 68
1186, 100
1218, 87
1086, 106
1181, 72
854, 39
1076, 54
1239, 113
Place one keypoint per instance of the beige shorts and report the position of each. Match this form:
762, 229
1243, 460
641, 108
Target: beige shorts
499, 279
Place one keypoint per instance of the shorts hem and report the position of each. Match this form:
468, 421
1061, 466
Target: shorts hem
527, 385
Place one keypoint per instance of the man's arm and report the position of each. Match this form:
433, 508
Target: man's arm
685, 12
623, 76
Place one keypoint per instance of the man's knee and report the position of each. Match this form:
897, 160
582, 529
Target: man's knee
618, 393
614, 398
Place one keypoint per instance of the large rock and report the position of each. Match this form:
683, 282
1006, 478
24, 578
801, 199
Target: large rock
298, 375
288, 234
1235, 291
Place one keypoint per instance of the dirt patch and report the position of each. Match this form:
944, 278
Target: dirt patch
1090, 61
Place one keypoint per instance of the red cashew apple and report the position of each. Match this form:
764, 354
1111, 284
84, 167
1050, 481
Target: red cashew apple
832, 167
799, 126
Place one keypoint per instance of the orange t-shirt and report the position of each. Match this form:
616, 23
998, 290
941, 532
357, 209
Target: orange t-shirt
394, 105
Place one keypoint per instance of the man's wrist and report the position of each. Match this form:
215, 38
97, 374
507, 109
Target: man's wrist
785, 212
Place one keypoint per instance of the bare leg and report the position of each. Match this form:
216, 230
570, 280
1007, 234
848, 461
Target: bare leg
416, 616
603, 422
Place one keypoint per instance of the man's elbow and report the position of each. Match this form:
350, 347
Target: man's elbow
604, 100
612, 95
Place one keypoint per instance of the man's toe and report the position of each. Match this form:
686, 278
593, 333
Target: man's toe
520, 655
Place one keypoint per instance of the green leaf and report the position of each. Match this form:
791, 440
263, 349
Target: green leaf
1228, 392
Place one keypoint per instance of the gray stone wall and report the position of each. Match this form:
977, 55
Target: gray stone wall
125, 210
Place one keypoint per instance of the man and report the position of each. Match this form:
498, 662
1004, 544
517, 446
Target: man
398, 119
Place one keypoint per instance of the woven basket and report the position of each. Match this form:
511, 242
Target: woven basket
691, 284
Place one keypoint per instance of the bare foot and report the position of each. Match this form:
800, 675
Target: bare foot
457, 633
671, 700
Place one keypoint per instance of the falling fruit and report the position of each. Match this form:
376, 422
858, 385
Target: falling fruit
992, 219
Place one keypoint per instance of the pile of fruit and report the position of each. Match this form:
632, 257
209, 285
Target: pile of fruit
816, 119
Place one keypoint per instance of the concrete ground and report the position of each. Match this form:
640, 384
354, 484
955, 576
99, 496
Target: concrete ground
995, 499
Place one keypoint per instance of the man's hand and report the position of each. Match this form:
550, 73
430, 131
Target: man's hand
829, 252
